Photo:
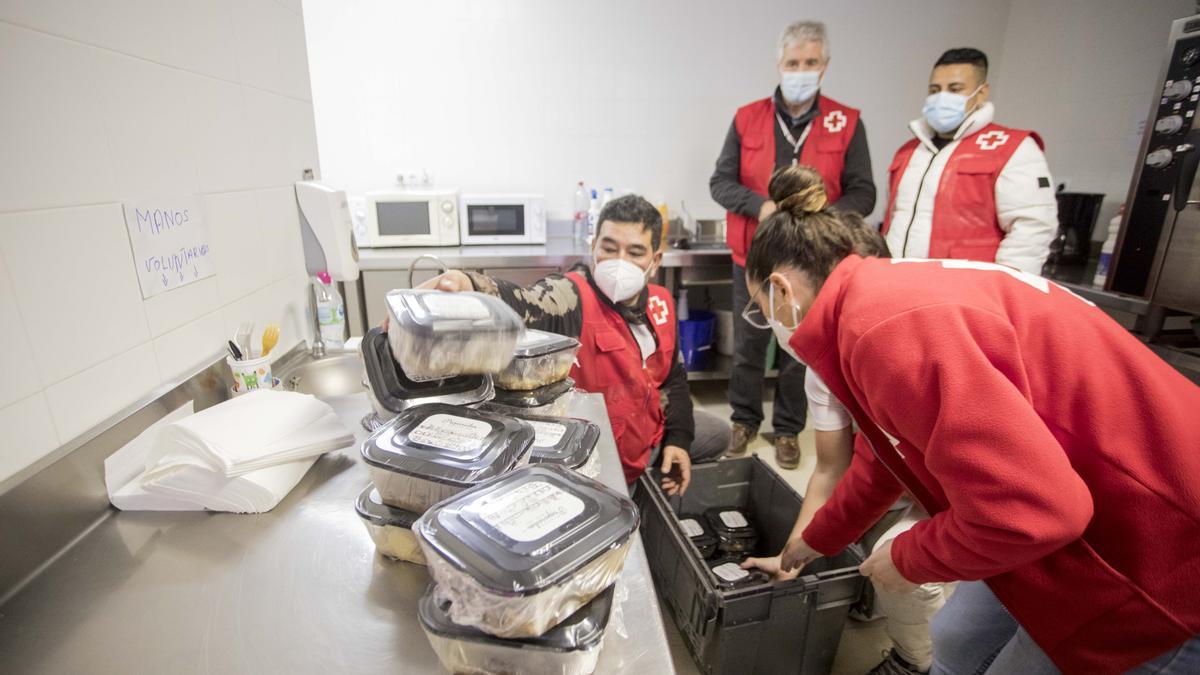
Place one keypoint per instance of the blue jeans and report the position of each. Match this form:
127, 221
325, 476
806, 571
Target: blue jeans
973, 634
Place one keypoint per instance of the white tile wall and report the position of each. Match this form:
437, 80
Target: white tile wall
111, 100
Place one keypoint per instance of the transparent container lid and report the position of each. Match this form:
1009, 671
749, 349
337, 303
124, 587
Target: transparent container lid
582, 630
537, 343
429, 313
730, 523
395, 391
534, 397
448, 444
561, 440
530, 529
372, 509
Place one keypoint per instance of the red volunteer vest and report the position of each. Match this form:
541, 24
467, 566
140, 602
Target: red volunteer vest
964, 210
824, 150
609, 362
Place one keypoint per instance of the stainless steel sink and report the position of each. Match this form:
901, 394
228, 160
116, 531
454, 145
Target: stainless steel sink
338, 374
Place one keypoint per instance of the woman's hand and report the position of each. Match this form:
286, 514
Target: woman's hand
771, 566
882, 570
796, 554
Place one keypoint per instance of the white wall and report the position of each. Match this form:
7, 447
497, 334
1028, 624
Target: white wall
1082, 73
534, 95
103, 101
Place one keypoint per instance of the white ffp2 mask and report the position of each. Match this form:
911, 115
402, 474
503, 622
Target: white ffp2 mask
619, 279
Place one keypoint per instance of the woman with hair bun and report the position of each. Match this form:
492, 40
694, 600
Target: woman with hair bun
1060, 483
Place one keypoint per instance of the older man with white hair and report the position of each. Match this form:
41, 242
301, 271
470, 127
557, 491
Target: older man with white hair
795, 125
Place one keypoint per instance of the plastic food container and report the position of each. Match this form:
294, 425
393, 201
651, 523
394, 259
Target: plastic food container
570, 648
565, 441
434, 451
434, 334
391, 391
730, 575
552, 400
734, 529
540, 359
696, 529
521, 553
390, 528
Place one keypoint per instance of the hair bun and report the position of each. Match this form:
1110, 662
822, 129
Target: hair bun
810, 200
798, 190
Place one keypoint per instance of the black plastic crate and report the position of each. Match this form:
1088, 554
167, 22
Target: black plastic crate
772, 628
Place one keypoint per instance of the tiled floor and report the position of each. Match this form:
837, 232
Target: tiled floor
862, 643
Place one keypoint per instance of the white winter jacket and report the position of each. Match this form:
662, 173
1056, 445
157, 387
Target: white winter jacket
1025, 206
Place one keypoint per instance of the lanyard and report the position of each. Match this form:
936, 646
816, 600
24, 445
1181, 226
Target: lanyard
796, 143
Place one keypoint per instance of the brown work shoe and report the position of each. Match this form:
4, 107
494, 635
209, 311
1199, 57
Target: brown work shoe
739, 437
787, 451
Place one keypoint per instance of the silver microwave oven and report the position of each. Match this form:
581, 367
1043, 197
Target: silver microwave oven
502, 219
410, 218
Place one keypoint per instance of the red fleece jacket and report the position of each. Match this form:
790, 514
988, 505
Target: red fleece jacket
1058, 456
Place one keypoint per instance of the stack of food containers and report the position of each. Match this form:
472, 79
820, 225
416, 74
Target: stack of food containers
435, 358
524, 558
535, 382
516, 557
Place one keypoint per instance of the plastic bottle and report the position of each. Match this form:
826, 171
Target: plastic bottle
681, 307
593, 215
1106, 250
579, 227
331, 311
608, 197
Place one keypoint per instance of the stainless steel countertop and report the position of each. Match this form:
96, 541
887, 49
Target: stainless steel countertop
296, 590
555, 253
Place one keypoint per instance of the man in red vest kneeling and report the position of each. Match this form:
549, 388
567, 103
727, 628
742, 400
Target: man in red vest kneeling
630, 350
796, 125
966, 187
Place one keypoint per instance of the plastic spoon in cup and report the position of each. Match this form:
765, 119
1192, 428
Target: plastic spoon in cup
270, 338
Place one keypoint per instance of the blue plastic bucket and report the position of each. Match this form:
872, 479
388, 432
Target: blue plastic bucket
696, 336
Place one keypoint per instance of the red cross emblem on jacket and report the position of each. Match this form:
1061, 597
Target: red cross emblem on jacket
835, 121
991, 140
657, 310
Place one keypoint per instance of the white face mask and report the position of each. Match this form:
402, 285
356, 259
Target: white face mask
619, 279
945, 111
783, 333
799, 86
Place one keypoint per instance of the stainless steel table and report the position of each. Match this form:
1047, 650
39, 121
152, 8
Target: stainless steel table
297, 590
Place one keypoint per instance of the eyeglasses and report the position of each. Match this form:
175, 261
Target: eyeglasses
753, 315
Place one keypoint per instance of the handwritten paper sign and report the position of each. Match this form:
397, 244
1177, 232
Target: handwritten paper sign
170, 243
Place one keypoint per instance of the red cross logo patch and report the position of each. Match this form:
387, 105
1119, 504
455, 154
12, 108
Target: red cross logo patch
991, 140
656, 307
835, 121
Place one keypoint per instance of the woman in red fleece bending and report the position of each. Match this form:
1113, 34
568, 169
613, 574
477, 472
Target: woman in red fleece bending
1058, 457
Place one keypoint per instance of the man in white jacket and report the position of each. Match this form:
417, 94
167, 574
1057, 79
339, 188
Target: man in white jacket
966, 187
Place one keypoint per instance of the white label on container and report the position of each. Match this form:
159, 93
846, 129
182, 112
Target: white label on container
547, 434
455, 306
534, 338
530, 511
691, 528
450, 432
730, 572
734, 519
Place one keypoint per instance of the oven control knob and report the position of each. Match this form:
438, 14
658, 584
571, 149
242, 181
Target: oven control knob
1171, 124
447, 206
1178, 90
447, 221
1160, 158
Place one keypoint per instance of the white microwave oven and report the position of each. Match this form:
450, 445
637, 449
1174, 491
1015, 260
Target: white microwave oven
410, 218
502, 219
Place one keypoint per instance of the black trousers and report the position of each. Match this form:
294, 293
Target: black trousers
746, 379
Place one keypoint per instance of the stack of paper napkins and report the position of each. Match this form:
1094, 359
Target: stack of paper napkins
243, 455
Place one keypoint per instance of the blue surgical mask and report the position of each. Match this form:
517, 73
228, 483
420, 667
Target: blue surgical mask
799, 86
946, 111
